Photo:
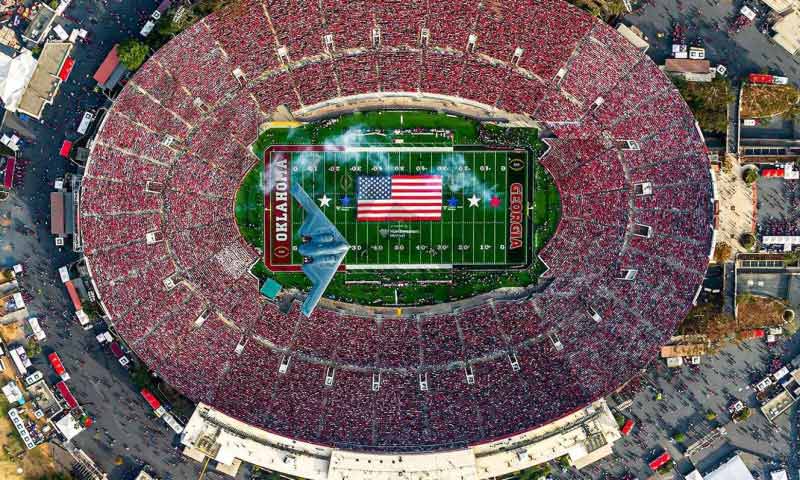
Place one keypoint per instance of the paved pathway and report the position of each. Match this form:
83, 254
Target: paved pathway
124, 424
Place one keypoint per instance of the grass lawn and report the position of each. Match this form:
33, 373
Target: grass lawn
765, 101
546, 207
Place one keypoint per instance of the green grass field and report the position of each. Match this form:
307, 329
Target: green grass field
474, 234
546, 208
384, 129
348, 128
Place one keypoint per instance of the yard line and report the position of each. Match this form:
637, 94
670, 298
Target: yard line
507, 213
493, 214
366, 227
335, 192
452, 226
494, 230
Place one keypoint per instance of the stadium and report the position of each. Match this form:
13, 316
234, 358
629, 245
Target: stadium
180, 215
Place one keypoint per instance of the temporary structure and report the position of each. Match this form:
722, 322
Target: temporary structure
15, 74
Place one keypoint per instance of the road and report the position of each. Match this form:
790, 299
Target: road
124, 425
687, 395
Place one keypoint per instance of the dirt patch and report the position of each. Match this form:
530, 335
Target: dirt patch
763, 101
12, 333
36, 463
757, 312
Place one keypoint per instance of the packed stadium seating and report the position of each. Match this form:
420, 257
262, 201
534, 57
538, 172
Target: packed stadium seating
185, 122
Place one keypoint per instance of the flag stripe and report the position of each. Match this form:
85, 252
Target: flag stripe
391, 208
393, 217
415, 194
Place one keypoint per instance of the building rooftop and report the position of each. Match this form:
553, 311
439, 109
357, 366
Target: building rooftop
787, 32
111, 70
782, 6
669, 351
45, 81
40, 23
686, 65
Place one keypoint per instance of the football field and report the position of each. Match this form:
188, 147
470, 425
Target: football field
484, 200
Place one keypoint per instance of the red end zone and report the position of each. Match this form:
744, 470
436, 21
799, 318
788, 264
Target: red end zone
278, 234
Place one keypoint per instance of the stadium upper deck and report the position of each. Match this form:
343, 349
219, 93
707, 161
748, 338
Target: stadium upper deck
625, 263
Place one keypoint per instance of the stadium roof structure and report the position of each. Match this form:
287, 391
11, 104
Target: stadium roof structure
584, 436
172, 269
787, 32
782, 6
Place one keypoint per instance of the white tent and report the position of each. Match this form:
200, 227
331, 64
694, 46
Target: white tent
15, 73
733, 469
779, 475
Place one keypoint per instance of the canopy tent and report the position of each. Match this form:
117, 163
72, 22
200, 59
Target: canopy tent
733, 469
772, 172
15, 74
66, 69
8, 177
271, 289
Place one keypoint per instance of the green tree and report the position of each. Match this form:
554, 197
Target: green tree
56, 476
750, 175
711, 416
132, 53
141, 377
535, 473
708, 101
33, 349
679, 437
666, 468
605, 9
204, 7
748, 241
792, 258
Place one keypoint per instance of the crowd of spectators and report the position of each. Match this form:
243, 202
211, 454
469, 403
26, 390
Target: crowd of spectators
168, 261
787, 223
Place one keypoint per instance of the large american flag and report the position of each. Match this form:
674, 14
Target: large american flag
399, 198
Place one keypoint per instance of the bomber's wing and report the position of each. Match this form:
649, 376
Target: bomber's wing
323, 249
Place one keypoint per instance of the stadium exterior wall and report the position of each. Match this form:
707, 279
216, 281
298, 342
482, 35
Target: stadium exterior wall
228, 441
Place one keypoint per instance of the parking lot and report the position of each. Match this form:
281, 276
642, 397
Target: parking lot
706, 23
124, 427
